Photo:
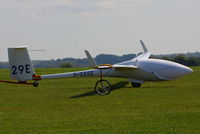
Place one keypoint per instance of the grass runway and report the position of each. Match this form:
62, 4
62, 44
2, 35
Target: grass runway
70, 106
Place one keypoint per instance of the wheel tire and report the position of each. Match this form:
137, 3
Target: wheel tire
134, 84
103, 87
36, 84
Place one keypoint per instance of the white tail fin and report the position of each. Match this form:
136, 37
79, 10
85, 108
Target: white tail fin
91, 60
146, 53
20, 65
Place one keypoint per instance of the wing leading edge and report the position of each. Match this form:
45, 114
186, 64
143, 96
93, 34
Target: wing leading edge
124, 67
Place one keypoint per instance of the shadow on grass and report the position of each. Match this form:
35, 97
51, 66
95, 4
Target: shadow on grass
160, 87
113, 87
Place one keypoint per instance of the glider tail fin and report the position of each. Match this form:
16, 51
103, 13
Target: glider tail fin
91, 60
144, 46
146, 54
20, 64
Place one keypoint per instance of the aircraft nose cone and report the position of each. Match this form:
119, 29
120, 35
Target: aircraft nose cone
174, 71
165, 70
182, 70
186, 70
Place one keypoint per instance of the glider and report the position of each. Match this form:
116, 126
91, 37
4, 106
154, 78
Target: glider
137, 71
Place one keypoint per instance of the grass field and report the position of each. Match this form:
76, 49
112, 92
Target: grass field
70, 106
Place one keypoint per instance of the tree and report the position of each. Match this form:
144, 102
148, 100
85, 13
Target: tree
66, 65
181, 59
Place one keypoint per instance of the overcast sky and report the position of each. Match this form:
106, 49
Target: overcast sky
65, 28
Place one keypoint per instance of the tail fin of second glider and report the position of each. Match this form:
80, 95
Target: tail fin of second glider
146, 53
20, 64
144, 46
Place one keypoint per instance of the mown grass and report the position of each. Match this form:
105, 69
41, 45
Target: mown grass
68, 106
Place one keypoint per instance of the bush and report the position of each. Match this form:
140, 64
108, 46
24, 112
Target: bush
66, 65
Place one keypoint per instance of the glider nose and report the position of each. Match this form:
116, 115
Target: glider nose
186, 70
181, 70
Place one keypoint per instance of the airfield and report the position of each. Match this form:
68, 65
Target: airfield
70, 105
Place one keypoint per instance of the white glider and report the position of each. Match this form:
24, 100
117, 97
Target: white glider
137, 70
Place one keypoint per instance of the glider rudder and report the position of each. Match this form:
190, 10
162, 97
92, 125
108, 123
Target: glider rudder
20, 64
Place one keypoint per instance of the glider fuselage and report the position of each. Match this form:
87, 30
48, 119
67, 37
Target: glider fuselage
147, 70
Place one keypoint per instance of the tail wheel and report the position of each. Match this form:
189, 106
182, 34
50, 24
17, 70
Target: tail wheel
103, 87
134, 84
35, 83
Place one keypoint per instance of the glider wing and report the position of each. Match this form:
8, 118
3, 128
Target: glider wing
124, 67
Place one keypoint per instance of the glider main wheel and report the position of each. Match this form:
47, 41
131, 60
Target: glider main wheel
103, 87
35, 83
134, 84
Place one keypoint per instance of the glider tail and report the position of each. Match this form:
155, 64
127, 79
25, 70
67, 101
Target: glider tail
20, 65
145, 55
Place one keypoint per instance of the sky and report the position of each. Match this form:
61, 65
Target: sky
65, 28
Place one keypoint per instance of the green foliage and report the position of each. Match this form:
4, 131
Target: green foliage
69, 106
189, 59
65, 65
181, 59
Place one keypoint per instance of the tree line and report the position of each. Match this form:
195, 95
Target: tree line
189, 59
182, 59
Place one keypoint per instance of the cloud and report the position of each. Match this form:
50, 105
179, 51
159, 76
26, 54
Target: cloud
92, 6
197, 5
100, 6
33, 8
146, 1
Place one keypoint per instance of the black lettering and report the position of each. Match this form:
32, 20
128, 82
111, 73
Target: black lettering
27, 67
74, 74
14, 69
21, 68
85, 73
81, 74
